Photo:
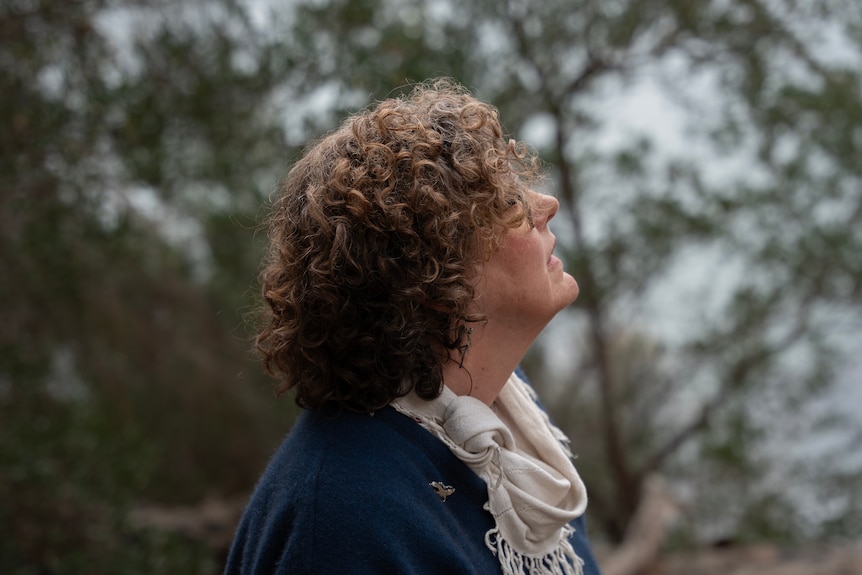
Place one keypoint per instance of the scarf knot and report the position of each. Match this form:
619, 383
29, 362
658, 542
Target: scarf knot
534, 490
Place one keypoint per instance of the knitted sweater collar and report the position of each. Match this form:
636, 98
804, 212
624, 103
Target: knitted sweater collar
534, 491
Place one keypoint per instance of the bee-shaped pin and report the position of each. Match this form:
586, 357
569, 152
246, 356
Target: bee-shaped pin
442, 489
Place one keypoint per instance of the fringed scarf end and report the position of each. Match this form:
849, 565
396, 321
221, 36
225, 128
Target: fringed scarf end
561, 561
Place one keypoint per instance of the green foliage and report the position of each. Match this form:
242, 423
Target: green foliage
126, 376
141, 138
70, 471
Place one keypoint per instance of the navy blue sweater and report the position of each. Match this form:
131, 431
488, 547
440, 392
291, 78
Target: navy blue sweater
351, 494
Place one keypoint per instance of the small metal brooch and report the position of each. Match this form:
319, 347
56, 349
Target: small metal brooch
442, 489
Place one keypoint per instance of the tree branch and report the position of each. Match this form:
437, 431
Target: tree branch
734, 381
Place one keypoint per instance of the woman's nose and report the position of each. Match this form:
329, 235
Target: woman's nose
544, 208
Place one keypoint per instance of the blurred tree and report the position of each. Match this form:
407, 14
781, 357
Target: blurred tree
140, 138
135, 150
720, 281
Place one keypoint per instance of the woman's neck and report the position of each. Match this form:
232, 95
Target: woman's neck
493, 354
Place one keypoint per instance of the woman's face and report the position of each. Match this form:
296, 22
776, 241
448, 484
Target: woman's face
523, 285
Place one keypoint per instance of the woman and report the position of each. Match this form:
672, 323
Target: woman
410, 268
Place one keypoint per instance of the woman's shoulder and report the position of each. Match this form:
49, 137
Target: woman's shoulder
360, 445
378, 490
387, 463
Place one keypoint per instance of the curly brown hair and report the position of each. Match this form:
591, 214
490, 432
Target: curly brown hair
375, 237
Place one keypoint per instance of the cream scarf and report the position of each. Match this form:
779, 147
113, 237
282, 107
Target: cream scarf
534, 490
